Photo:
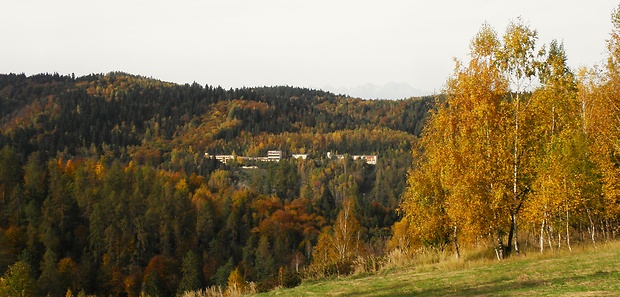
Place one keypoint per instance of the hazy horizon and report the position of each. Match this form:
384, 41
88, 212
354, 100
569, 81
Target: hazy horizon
345, 44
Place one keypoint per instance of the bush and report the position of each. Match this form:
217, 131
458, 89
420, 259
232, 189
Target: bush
286, 278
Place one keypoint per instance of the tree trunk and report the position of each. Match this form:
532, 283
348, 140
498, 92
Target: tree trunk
499, 250
541, 239
456, 245
591, 225
508, 248
549, 238
512, 236
516, 234
608, 229
515, 181
567, 233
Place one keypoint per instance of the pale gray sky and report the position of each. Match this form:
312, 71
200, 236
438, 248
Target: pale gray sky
301, 43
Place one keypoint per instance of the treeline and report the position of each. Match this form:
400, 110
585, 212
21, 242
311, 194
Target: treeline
105, 188
97, 113
522, 150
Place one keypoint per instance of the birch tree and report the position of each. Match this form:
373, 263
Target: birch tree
518, 138
461, 178
518, 60
563, 181
600, 106
339, 245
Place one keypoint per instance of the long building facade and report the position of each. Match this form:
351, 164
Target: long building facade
276, 156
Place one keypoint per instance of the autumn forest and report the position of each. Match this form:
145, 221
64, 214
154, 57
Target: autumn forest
105, 188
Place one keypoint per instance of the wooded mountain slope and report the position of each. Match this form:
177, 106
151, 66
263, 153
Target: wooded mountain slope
52, 113
105, 187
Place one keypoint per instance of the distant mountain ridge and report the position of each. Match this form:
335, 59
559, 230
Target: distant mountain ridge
391, 90
120, 112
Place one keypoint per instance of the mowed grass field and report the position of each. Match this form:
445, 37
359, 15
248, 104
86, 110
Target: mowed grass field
586, 271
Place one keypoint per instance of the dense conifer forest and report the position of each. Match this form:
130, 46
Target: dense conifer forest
105, 187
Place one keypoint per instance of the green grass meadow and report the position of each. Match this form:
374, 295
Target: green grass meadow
586, 271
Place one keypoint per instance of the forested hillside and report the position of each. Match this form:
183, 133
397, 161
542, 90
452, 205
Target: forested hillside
105, 187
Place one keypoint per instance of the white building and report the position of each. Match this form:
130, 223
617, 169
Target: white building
274, 156
300, 156
369, 159
224, 158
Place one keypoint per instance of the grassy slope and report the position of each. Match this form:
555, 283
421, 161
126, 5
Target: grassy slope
584, 272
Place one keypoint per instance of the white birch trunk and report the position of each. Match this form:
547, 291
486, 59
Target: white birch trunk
541, 239
567, 233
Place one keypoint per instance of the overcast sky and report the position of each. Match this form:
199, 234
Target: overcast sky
300, 43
